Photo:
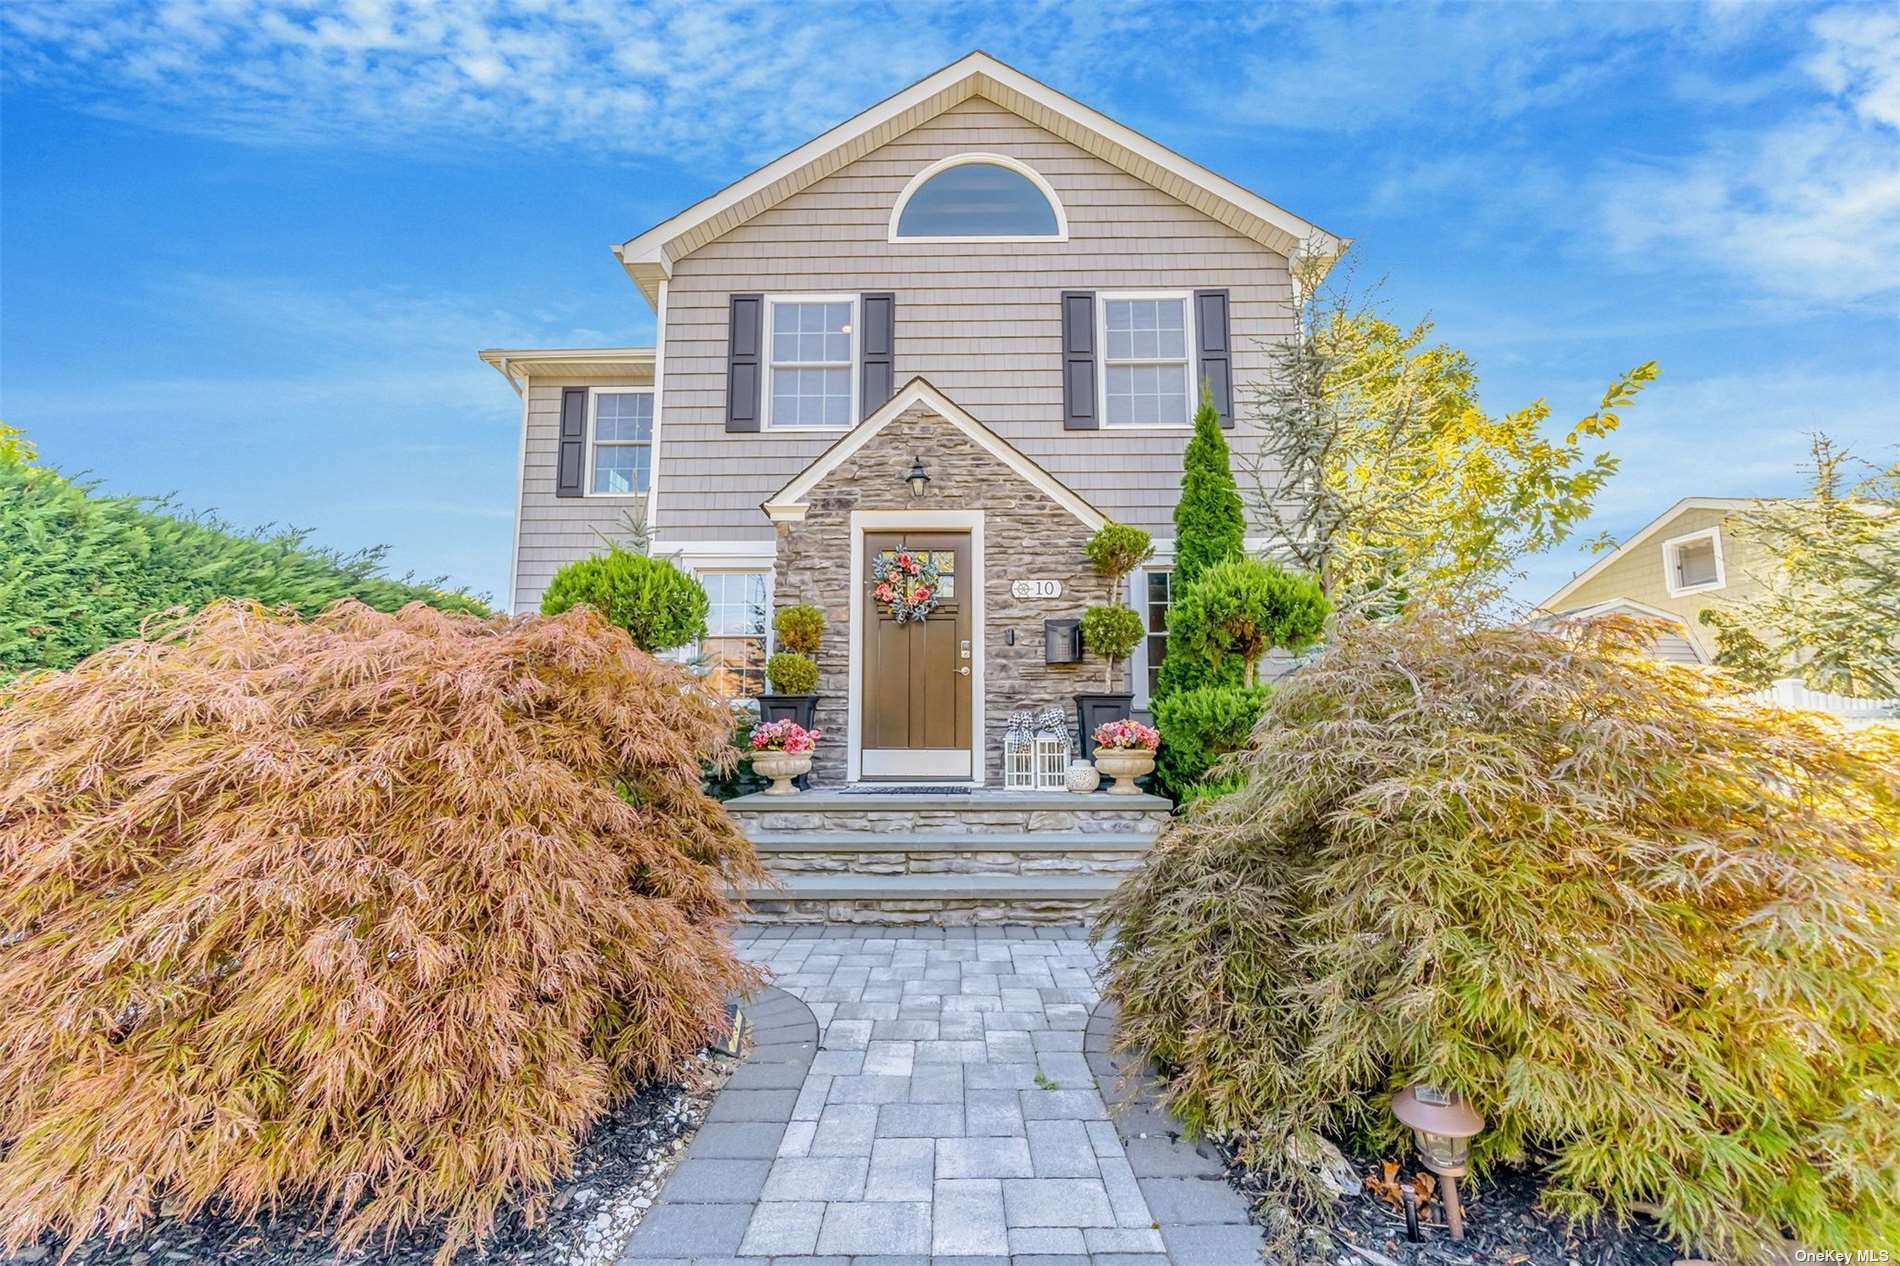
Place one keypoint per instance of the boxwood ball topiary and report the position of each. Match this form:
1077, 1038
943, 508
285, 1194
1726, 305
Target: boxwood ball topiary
791, 673
373, 914
660, 606
1649, 931
800, 628
1112, 631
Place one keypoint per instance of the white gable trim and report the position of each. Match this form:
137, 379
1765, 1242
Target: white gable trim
1655, 525
649, 257
1608, 605
787, 505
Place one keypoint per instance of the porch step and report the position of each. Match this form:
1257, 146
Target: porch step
917, 855
937, 900
773, 842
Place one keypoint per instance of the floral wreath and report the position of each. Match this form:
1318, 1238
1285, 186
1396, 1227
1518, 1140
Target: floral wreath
907, 584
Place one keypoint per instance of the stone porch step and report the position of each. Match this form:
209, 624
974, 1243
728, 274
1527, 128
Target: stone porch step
771, 842
980, 800
937, 887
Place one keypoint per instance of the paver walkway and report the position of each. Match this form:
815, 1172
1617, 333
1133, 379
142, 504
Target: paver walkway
948, 1113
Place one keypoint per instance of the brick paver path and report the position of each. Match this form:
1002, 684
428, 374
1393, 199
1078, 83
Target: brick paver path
949, 1113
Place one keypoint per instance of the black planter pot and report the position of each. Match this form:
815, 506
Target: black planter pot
800, 708
1099, 709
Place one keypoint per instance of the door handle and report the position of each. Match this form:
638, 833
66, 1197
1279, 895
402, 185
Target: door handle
964, 671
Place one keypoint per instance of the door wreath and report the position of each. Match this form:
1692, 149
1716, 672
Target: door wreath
907, 584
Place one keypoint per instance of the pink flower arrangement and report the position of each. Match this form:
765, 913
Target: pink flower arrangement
785, 736
1123, 736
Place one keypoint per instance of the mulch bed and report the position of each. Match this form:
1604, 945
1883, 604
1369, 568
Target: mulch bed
1503, 1227
617, 1174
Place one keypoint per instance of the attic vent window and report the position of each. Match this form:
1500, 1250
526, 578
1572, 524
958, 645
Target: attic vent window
1693, 563
978, 197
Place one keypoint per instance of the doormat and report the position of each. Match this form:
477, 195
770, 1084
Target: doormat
931, 789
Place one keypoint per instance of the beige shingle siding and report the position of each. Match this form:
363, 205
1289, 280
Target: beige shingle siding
554, 531
981, 321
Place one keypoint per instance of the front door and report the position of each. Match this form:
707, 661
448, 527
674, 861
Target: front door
918, 675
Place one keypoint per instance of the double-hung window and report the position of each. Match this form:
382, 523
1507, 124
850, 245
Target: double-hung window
622, 443
813, 378
1147, 371
734, 649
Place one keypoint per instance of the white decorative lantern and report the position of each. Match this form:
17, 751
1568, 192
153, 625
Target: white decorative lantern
1019, 753
1052, 750
1052, 762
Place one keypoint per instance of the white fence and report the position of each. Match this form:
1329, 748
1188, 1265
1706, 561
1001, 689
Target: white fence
1788, 692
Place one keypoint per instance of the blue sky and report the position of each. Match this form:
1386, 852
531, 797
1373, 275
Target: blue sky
248, 250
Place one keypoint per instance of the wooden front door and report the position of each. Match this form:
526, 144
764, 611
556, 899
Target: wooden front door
919, 675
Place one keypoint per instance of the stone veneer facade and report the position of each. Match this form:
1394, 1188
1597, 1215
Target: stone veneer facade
1025, 535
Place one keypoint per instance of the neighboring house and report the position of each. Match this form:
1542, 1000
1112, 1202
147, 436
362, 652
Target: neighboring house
980, 277
1685, 561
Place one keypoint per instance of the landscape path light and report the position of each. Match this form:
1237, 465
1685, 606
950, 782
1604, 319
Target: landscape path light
1444, 1124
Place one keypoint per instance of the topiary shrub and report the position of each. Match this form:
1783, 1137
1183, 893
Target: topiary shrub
1201, 726
1240, 609
1652, 933
791, 674
80, 571
1115, 550
374, 914
800, 629
660, 606
1113, 632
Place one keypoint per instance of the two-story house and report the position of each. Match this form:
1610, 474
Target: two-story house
971, 321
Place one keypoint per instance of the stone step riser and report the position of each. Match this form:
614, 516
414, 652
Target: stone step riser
944, 913
974, 820
935, 863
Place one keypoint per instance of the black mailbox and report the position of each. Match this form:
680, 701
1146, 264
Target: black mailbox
1062, 641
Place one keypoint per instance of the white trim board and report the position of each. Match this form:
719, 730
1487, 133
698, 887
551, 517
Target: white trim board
890, 520
1661, 521
788, 505
648, 257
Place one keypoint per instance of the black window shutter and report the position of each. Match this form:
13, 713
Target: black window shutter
1078, 361
571, 457
1216, 351
877, 341
745, 362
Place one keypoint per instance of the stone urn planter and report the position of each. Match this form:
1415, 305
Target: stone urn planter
781, 768
1124, 765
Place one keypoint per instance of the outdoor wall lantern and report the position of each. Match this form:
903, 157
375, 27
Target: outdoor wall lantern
1444, 1124
917, 479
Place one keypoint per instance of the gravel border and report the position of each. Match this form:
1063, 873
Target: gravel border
620, 1168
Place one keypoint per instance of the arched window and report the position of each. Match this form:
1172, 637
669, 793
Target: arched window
975, 197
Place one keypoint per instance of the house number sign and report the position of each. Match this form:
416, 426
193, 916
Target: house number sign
1035, 588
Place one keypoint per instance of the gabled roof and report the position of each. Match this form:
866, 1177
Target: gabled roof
649, 257
520, 365
1663, 520
788, 504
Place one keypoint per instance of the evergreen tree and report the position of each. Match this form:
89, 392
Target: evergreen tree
1209, 525
1208, 520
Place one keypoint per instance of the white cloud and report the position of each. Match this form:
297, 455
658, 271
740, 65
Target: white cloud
1807, 206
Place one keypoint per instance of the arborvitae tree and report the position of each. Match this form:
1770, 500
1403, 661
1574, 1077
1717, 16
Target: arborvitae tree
1209, 525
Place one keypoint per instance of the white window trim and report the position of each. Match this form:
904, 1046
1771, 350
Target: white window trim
1102, 301
995, 160
1674, 543
771, 366
593, 429
740, 566
1137, 597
